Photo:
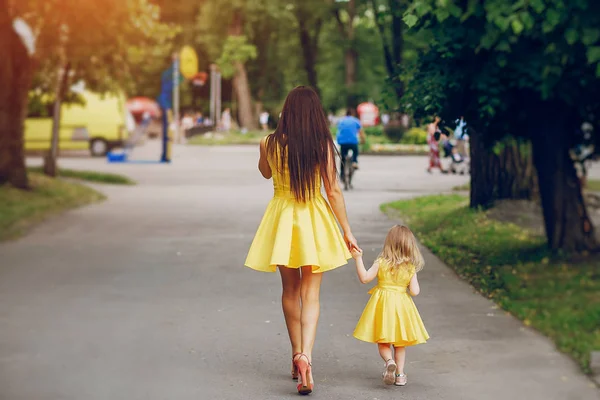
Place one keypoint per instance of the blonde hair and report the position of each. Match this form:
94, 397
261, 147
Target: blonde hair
400, 248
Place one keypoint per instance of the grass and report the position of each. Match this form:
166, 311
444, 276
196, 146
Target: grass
231, 138
21, 209
90, 176
559, 298
462, 188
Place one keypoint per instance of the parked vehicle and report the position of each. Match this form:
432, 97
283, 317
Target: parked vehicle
100, 125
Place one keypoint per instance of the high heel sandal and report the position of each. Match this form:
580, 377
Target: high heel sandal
294, 368
304, 368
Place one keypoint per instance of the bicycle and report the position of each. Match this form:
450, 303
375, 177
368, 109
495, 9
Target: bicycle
348, 171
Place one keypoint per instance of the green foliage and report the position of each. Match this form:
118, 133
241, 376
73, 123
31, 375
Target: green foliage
415, 136
492, 60
374, 130
513, 267
19, 209
103, 42
235, 50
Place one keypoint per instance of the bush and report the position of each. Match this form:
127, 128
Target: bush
415, 136
395, 131
374, 130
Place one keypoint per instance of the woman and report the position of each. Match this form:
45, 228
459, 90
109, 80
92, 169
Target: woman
298, 234
434, 146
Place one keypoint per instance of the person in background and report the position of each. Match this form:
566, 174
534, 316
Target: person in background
433, 136
385, 119
264, 120
460, 135
199, 119
349, 135
226, 120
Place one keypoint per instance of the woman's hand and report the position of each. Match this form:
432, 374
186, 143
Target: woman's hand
351, 241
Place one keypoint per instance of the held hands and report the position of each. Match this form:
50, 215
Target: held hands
356, 253
351, 241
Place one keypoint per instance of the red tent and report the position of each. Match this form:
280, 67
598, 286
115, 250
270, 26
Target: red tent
368, 113
137, 106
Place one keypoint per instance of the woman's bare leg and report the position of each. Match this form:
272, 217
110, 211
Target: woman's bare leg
290, 300
309, 293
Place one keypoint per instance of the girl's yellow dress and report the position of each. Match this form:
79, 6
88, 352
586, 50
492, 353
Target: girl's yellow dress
390, 315
296, 234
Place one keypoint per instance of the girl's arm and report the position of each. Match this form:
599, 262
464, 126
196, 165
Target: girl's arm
364, 276
263, 164
336, 200
413, 286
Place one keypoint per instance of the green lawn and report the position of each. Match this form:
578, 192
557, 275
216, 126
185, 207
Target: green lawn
559, 298
90, 176
231, 138
19, 209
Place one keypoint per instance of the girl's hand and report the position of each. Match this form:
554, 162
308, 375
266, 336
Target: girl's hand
356, 253
351, 241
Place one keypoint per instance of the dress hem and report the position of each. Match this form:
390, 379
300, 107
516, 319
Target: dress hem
316, 268
398, 344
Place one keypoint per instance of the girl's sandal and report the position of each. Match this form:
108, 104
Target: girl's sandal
401, 380
389, 372
294, 368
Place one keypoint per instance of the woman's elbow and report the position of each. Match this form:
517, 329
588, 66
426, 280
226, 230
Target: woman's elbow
415, 292
334, 193
363, 280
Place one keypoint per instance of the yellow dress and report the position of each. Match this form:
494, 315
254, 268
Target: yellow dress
296, 234
390, 315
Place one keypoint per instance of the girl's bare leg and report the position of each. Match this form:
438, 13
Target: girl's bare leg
290, 300
400, 358
385, 351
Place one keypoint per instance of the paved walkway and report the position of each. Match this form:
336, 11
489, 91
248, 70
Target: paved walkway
145, 297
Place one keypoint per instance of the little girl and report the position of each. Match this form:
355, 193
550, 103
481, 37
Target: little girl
390, 318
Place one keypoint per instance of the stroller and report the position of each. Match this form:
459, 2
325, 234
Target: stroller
582, 153
459, 164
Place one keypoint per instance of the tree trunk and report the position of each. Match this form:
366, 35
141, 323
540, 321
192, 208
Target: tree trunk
15, 80
309, 42
505, 174
568, 225
50, 167
482, 172
242, 88
393, 42
351, 58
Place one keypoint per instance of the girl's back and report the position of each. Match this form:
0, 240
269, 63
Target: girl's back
394, 276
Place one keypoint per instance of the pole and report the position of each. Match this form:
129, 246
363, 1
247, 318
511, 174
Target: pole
176, 96
213, 85
218, 96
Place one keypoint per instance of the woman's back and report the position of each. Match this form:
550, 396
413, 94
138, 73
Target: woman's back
281, 174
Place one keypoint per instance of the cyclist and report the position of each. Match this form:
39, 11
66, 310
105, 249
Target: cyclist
349, 135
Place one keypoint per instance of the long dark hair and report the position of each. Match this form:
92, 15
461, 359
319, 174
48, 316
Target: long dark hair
305, 141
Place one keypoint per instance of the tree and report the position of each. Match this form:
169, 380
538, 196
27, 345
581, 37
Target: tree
390, 24
528, 69
95, 47
15, 76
